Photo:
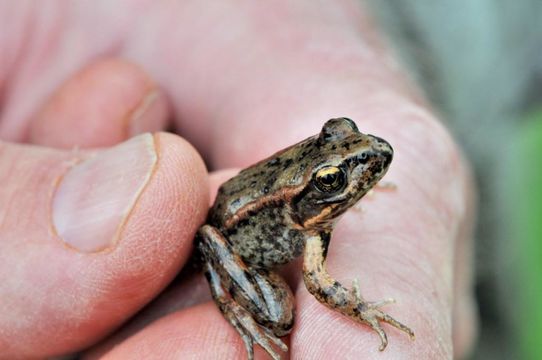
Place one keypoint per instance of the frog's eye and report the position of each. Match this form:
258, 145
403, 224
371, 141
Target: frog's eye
330, 179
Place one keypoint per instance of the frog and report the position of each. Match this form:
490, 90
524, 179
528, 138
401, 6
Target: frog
281, 208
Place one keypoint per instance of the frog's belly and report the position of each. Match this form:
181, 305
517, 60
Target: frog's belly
265, 244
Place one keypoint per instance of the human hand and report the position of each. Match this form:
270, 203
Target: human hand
80, 256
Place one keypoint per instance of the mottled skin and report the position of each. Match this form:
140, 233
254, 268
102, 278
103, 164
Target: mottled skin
278, 209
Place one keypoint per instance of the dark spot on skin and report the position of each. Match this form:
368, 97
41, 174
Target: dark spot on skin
274, 162
363, 158
334, 147
388, 158
207, 275
330, 291
288, 327
287, 164
378, 168
276, 229
342, 302
346, 146
326, 237
379, 140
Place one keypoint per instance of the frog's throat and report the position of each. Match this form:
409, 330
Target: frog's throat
323, 219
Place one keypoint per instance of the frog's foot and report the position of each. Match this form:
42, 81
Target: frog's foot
381, 186
251, 332
257, 302
369, 313
386, 186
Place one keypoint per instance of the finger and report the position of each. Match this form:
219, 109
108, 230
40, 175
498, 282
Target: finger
195, 333
101, 105
88, 239
188, 289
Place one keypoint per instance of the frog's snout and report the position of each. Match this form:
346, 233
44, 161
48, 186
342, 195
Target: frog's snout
383, 149
388, 156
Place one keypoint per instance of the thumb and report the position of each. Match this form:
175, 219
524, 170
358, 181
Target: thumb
87, 239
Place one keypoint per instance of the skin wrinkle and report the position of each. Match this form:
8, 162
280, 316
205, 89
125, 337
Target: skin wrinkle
9, 218
404, 285
4, 211
427, 263
450, 208
443, 218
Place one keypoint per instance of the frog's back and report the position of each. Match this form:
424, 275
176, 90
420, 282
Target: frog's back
268, 180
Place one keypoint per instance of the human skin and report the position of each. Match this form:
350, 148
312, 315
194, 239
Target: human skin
239, 81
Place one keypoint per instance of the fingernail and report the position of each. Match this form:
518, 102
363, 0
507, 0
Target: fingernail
95, 197
150, 115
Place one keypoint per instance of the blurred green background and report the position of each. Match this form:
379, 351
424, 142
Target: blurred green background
526, 231
480, 62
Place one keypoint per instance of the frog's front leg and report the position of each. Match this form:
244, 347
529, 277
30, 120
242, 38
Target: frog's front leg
336, 296
256, 302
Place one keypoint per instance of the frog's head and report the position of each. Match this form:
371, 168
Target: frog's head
346, 165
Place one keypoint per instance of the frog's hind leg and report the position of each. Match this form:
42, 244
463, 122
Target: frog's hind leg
257, 303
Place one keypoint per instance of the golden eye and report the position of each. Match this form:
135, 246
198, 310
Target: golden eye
329, 179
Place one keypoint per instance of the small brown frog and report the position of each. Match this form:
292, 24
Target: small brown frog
278, 209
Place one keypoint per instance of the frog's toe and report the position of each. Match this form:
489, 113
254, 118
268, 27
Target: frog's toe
265, 339
388, 319
278, 342
370, 314
249, 345
251, 332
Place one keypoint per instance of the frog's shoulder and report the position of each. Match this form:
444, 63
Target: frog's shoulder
270, 180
